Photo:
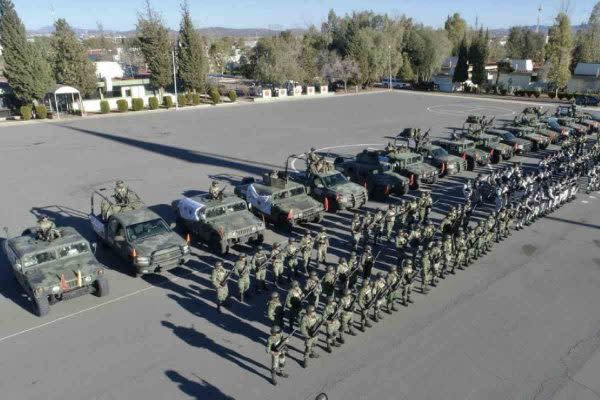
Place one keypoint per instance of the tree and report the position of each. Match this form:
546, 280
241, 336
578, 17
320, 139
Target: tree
69, 60
25, 67
461, 71
587, 41
154, 42
338, 69
560, 42
367, 49
219, 51
427, 49
524, 43
192, 65
406, 72
275, 60
456, 28
478, 54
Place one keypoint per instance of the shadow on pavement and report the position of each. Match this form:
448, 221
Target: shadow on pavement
200, 390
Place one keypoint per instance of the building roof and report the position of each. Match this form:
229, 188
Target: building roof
587, 69
521, 65
63, 89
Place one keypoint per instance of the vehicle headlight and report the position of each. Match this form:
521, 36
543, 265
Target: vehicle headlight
185, 248
254, 228
142, 260
55, 289
99, 271
39, 291
88, 279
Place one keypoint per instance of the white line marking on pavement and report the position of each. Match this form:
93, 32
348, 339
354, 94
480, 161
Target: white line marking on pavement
454, 109
293, 162
592, 197
584, 201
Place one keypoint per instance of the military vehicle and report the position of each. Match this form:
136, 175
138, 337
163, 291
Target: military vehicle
53, 269
373, 171
539, 142
412, 166
219, 222
332, 188
466, 149
554, 125
539, 126
498, 151
279, 199
579, 125
137, 234
520, 146
441, 159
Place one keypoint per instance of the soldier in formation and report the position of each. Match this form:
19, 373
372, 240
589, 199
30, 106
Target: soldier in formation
219, 279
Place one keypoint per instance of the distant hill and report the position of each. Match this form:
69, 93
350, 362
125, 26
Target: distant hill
543, 29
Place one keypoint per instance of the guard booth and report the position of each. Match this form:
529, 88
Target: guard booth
63, 100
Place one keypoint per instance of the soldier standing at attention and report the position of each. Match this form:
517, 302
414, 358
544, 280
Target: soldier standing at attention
406, 278
342, 272
328, 281
277, 256
401, 243
306, 247
352, 264
313, 289
447, 250
425, 270
379, 287
307, 327
391, 280
347, 304
276, 347
460, 247
259, 265
332, 323
367, 262
365, 295
356, 229
291, 259
242, 270
390, 221
219, 280
322, 246
214, 191
275, 310
293, 302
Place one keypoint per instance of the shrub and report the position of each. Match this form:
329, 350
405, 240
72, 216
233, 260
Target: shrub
537, 92
529, 93
181, 100
232, 96
561, 95
168, 101
194, 99
122, 105
569, 96
41, 112
153, 103
137, 104
104, 107
552, 94
503, 91
25, 112
214, 94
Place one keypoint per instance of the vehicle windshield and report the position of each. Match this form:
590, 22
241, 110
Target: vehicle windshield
493, 139
439, 152
468, 146
288, 193
39, 258
147, 229
224, 209
73, 249
335, 179
509, 136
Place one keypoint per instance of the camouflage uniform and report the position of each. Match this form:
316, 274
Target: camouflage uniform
406, 280
447, 251
277, 256
322, 246
328, 282
390, 220
291, 260
293, 303
313, 286
379, 286
275, 310
470, 241
307, 326
242, 270
392, 280
347, 304
425, 271
356, 229
365, 295
219, 280
425, 203
46, 229
214, 191
306, 247
276, 348
259, 264
367, 262
460, 246
414, 240
428, 233
401, 210
401, 243
332, 323
480, 235
342, 272
489, 233
435, 255
353, 264
378, 226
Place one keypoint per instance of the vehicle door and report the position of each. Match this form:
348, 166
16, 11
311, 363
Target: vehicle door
14, 262
318, 187
117, 238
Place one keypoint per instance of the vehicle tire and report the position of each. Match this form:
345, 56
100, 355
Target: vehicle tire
508, 156
319, 218
415, 184
41, 306
333, 205
101, 286
259, 238
400, 190
470, 164
495, 158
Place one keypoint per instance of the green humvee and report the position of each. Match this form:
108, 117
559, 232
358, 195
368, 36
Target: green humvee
138, 235
57, 269
413, 167
220, 222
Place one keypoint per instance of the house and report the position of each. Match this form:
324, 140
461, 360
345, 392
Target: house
444, 78
108, 69
521, 75
585, 78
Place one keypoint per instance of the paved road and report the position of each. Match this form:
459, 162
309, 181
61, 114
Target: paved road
522, 323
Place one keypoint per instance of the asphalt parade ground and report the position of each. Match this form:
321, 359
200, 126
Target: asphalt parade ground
522, 322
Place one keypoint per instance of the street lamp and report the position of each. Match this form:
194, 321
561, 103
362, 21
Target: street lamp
175, 77
390, 64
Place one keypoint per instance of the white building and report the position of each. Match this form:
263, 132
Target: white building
585, 79
108, 69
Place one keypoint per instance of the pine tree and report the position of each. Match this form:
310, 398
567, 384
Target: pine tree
461, 72
560, 42
406, 72
192, 63
25, 67
70, 63
156, 48
478, 57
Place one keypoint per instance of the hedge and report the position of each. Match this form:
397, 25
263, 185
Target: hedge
25, 112
137, 104
232, 96
104, 106
552, 94
168, 101
182, 100
214, 94
153, 103
194, 99
41, 112
122, 105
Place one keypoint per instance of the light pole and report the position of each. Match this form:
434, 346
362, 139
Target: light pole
390, 64
175, 79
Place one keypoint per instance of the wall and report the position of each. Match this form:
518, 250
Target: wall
514, 80
582, 84
94, 104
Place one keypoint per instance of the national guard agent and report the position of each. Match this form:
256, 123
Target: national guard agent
406, 278
435, 252
219, 280
347, 304
291, 259
328, 282
46, 229
331, 317
379, 287
242, 270
342, 272
365, 295
275, 310
306, 247
277, 257
308, 326
214, 192
460, 247
322, 246
259, 264
353, 265
392, 280
276, 348
401, 243
390, 221
313, 289
425, 271
356, 230
367, 262
293, 302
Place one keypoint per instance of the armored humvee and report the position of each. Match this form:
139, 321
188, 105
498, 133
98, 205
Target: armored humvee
220, 222
520, 146
490, 143
437, 156
466, 149
55, 269
539, 142
279, 199
412, 166
137, 234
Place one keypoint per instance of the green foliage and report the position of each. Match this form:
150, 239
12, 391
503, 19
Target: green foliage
70, 63
153, 103
427, 48
560, 41
182, 100
219, 51
122, 105
137, 104
25, 112
524, 43
155, 46
456, 28
168, 101
275, 60
104, 106
214, 94
192, 63
552, 95
587, 40
194, 99
461, 72
232, 96
27, 71
406, 72
478, 53
41, 112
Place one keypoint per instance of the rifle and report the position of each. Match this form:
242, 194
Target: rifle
224, 280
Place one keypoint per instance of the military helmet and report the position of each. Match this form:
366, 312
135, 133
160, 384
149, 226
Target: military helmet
367, 281
295, 284
120, 184
391, 207
219, 264
242, 256
275, 329
310, 309
331, 299
274, 295
322, 229
409, 262
347, 291
259, 247
367, 248
330, 268
43, 217
426, 252
393, 268
214, 183
313, 274
312, 149
353, 253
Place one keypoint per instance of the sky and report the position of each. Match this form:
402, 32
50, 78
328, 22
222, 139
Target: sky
277, 14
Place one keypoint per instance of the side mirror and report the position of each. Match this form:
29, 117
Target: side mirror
119, 239
94, 248
173, 225
18, 266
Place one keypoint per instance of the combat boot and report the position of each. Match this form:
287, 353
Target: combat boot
424, 289
368, 324
328, 348
219, 307
375, 317
410, 300
394, 307
241, 297
351, 331
361, 327
313, 355
305, 361
341, 339
282, 374
273, 377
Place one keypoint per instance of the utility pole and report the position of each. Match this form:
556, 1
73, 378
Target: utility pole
539, 18
390, 64
175, 80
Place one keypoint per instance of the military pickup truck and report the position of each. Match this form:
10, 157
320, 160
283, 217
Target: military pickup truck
374, 171
280, 200
490, 143
466, 149
520, 146
219, 222
333, 189
441, 159
57, 269
412, 166
539, 142
138, 235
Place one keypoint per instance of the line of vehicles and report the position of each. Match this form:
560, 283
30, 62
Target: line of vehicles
63, 266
